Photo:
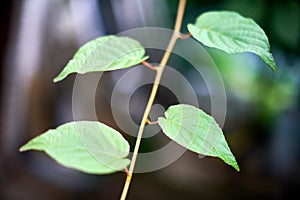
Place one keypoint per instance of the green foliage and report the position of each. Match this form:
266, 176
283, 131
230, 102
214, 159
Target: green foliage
104, 54
95, 148
196, 131
232, 33
87, 146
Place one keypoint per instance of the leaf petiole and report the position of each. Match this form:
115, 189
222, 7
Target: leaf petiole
150, 66
151, 123
184, 36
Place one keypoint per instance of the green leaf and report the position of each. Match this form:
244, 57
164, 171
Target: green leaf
232, 33
196, 131
87, 146
105, 53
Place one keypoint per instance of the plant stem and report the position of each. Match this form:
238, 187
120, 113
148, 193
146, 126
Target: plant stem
157, 79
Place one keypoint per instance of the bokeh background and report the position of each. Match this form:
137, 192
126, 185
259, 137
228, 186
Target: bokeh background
37, 39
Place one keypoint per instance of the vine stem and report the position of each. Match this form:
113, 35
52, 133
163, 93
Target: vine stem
159, 73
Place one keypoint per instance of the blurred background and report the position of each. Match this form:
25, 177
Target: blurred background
38, 37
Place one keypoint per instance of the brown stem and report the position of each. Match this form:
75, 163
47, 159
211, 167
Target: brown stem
157, 79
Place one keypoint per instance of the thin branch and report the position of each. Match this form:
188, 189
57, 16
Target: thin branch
158, 76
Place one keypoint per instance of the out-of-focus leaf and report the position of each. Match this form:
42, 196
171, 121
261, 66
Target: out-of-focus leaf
232, 33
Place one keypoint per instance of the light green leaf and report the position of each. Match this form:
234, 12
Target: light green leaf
196, 131
232, 33
87, 146
105, 53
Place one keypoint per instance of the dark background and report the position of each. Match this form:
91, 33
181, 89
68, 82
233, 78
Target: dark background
37, 39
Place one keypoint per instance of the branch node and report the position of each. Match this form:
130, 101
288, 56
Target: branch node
126, 171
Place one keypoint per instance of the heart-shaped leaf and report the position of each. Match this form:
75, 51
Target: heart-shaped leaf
105, 53
87, 146
196, 131
232, 33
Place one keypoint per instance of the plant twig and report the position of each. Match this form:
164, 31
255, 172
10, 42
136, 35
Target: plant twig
158, 76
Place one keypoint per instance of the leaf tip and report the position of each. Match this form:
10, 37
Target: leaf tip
233, 163
59, 78
274, 69
272, 64
236, 167
55, 80
23, 148
62, 75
